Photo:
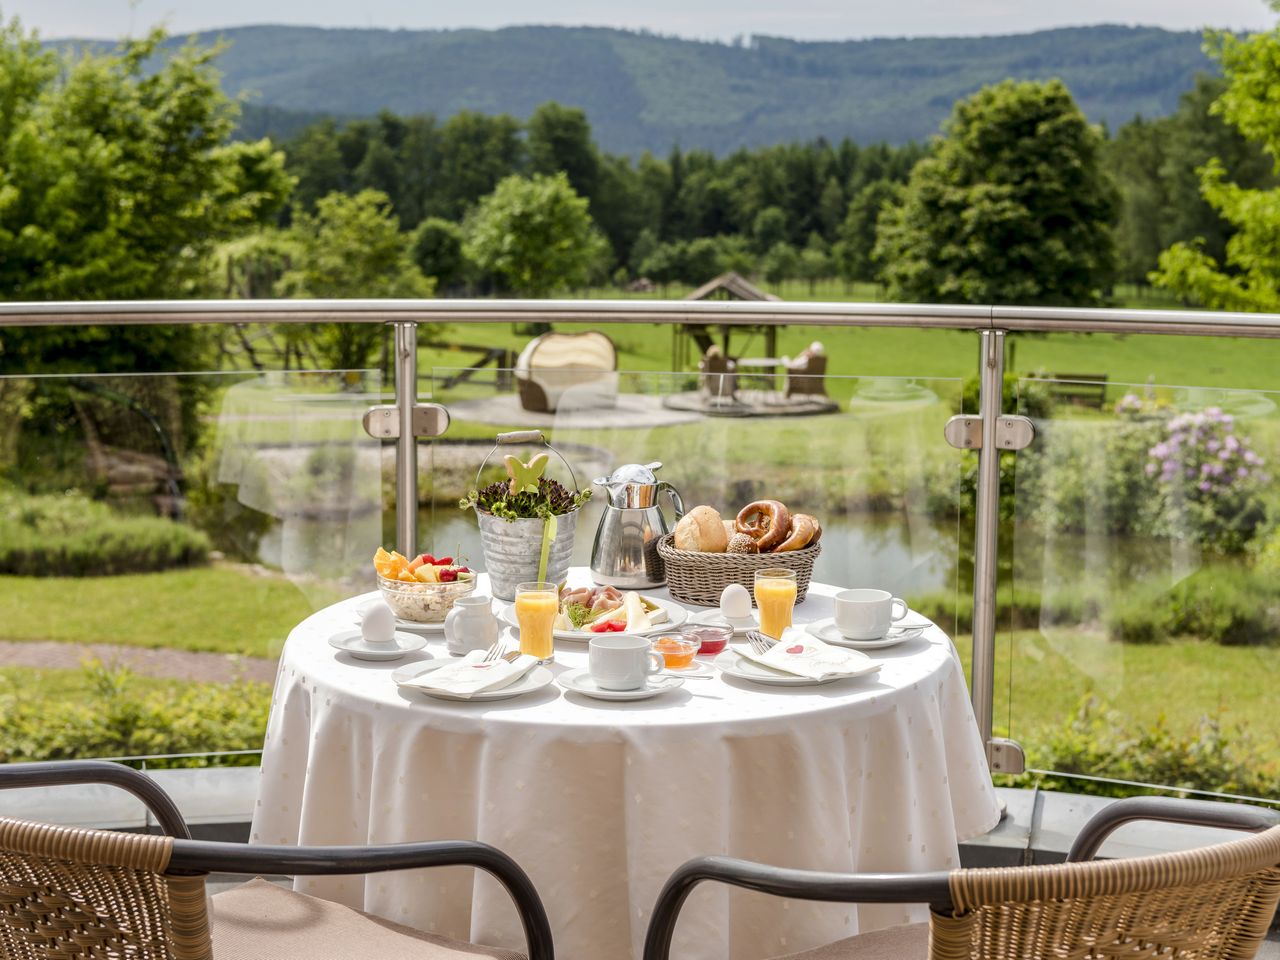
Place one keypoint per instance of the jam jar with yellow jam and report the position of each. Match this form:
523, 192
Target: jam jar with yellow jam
677, 650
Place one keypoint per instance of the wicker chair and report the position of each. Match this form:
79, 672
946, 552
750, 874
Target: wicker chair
1214, 902
70, 893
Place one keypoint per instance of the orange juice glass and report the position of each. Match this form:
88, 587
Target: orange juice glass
775, 590
537, 604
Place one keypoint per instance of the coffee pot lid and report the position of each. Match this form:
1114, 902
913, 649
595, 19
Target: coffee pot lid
628, 476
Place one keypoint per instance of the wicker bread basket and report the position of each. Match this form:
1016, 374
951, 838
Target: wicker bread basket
700, 578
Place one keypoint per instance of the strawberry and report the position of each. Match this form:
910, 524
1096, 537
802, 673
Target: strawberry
448, 575
443, 562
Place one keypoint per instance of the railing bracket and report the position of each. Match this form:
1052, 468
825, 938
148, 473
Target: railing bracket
964, 432
383, 422
1006, 756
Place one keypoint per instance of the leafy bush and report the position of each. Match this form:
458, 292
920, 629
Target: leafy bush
1018, 609
1209, 479
118, 720
1228, 604
1101, 743
70, 535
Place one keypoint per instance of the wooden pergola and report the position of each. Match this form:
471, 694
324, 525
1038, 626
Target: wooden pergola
727, 286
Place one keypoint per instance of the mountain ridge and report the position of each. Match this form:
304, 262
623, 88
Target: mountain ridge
646, 91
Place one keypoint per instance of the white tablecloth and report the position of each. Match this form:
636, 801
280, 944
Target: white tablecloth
599, 802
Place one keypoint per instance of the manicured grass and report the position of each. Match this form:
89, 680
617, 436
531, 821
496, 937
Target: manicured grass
70, 685
222, 609
1041, 677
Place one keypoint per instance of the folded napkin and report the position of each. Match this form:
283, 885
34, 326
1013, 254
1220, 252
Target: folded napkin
473, 674
804, 655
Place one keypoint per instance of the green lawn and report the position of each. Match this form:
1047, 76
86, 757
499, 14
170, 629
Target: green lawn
223, 609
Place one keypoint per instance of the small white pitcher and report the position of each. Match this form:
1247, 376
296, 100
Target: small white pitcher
470, 625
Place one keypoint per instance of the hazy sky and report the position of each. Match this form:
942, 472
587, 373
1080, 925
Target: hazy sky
722, 19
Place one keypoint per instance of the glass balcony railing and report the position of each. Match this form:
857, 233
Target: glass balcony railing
159, 537
1110, 585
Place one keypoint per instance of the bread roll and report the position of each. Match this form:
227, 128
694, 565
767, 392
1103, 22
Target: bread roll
701, 530
730, 530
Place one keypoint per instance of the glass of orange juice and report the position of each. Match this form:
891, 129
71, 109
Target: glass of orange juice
537, 603
775, 589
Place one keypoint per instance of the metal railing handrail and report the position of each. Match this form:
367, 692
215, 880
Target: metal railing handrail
734, 312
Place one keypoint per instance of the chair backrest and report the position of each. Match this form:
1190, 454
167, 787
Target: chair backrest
1214, 902
71, 893
588, 350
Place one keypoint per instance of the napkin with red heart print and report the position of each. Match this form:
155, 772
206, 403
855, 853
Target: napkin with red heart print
800, 653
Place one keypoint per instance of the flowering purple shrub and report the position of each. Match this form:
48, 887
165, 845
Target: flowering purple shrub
1209, 479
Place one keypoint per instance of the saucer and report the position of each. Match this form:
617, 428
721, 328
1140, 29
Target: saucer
714, 618
825, 630
579, 681
353, 643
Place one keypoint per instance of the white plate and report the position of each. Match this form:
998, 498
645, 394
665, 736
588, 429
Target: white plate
714, 618
579, 681
534, 680
699, 668
825, 630
353, 643
731, 664
676, 615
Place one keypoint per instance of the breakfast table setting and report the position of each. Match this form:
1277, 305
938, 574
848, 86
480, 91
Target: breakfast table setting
602, 733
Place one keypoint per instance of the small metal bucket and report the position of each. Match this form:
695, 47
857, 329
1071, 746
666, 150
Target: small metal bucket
512, 549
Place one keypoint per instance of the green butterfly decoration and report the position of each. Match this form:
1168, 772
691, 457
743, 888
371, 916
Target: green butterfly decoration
525, 476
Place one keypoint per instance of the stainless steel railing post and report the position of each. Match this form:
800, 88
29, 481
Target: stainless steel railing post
986, 533
406, 383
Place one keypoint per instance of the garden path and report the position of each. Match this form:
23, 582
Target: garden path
161, 663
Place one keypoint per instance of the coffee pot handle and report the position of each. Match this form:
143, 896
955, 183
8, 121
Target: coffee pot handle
676, 503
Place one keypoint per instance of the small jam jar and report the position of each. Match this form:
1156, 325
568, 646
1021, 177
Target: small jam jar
711, 639
677, 650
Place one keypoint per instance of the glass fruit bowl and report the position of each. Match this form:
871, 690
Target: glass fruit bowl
423, 602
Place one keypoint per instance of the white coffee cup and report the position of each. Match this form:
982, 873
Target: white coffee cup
864, 614
618, 662
377, 624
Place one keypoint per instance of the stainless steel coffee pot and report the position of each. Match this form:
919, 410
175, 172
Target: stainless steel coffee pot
625, 553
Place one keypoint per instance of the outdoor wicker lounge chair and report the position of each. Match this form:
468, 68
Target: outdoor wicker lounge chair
806, 374
557, 366
68, 893
719, 379
1213, 902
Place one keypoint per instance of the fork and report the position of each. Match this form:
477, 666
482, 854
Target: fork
494, 652
760, 644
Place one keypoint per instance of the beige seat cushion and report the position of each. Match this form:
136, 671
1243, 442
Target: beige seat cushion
893, 943
261, 921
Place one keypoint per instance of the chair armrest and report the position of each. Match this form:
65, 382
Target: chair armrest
1199, 813
58, 773
205, 856
930, 888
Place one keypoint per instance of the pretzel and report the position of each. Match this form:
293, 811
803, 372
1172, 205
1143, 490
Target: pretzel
804, 531
767, 522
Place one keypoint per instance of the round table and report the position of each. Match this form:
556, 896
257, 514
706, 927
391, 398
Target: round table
600, 801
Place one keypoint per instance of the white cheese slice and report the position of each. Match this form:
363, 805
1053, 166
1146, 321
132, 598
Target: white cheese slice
637, 618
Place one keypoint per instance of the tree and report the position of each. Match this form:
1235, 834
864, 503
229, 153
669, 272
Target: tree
559, 139
535, 234
1248, 276
782, 262
1156, 164
437, 250
853, 252
116, 181
815, 261
475, 153
1011, 207
351, 247
769, 229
